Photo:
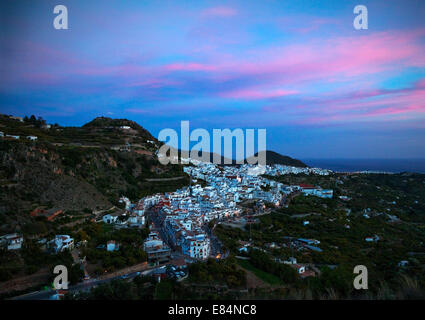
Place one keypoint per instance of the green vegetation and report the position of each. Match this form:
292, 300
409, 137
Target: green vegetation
261, 260
141, 288
213, 271
341, 228
130, 251
31, 258
265, 276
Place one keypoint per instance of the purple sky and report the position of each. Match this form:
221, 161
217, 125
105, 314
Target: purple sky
297, 68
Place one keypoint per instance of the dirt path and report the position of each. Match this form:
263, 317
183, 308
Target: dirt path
22, 283
137, 267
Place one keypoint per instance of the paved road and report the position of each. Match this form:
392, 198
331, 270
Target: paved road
83, 286
216, 247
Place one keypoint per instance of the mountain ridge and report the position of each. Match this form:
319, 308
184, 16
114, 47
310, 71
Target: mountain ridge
273, 157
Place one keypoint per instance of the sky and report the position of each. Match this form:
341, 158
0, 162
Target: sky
297, 68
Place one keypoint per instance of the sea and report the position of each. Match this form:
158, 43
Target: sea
380, 165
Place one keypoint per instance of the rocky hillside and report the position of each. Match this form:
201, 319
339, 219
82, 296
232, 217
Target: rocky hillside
77, 169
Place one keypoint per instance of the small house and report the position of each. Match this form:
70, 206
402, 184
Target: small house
12, 241
108, 218
111, 245
299, 268
12, 136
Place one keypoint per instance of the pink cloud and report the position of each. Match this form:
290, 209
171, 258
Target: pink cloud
153, 83
219, 12
253, 94
315, 24
399, 104
192, 66
336, 59
395, 110
255, 74
303, 24
358, 106
280, 108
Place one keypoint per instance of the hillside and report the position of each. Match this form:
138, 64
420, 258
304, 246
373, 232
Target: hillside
100, 132
78, 169
81, 169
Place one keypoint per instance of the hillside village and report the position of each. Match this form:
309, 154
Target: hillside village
269, 218
181, 215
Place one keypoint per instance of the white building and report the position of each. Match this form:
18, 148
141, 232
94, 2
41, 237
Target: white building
12, 241
135, 220
316, 191
20, 119
375, 238
153, 241
299, 268
291, 260
127, 202
112, 245
324, 193
197, 246
32, 138
61, 243
108, 218
12, 136
403, 263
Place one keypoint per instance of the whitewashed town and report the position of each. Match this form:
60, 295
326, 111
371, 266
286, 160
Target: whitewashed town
179, 217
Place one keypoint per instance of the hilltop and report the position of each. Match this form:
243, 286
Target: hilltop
100, 132
105, 124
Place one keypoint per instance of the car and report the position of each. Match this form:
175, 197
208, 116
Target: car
124, 276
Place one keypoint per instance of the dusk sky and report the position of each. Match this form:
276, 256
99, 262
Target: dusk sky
297, 68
